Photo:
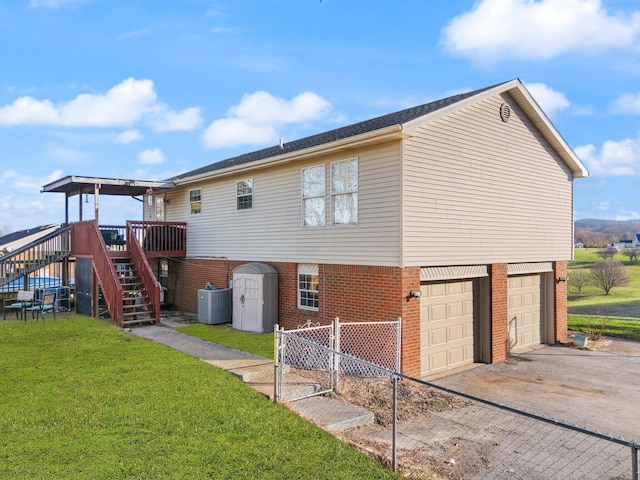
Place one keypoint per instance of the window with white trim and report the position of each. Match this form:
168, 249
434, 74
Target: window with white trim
313, 192
308, 286
344, 192
244, 194
195, 199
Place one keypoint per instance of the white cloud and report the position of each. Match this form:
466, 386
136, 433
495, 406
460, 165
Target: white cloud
12, 179
549, 100
627, 104
124, 105
255, 119
620, 158
497, 30
53, 4
128, 136
151, 156
166, 120
624, 214
142, 32
231, 132
600, 206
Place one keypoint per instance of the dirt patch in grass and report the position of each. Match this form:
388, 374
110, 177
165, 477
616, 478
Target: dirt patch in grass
436, 461
431, 462
413, 399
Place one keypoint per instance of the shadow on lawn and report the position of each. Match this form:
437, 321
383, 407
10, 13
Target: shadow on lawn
623, 309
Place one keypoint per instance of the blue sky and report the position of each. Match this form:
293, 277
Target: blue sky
147, 90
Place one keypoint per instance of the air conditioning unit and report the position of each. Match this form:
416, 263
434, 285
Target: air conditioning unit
214, 306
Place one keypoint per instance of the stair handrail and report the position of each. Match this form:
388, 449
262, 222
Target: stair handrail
87, 240
143, 269
61, 246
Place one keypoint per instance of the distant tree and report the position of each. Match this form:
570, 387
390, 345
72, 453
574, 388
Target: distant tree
607, 253
578, 279
608, 274
593, 239
631, 253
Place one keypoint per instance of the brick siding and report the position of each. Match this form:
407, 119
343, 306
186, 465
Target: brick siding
560, 302
499, 312
356, 293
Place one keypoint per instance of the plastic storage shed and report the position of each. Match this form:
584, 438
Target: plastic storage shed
255, 297
214, 306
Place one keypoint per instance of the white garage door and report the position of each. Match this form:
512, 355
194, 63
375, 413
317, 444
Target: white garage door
446, 326
525, 312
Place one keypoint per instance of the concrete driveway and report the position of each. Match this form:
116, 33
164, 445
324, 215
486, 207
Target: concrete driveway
595, 389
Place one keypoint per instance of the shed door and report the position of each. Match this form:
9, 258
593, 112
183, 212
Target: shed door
526, 321
247, 302
446, 326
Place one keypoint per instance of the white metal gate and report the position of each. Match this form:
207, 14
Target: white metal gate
312, 357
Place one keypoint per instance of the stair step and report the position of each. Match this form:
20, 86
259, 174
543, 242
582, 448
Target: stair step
133, 309
142, 313
133, 322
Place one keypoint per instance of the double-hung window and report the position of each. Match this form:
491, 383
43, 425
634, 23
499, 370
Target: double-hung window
195, 199
344, 192
313, 191
308, 287
244, 194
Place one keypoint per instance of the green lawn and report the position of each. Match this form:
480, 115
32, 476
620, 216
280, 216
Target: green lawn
621, 307
81, 399
256, 343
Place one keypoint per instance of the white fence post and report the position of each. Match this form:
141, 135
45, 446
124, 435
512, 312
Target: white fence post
336, 357
399, 346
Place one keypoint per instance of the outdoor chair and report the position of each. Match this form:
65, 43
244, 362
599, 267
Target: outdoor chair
40, 307
19, 304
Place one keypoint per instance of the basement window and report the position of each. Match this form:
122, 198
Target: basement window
308, 287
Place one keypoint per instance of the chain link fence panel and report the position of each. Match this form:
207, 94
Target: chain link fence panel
424, 431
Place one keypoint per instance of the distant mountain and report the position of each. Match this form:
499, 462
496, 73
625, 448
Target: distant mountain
607, 231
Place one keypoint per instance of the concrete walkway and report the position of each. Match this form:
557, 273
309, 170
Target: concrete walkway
258, 372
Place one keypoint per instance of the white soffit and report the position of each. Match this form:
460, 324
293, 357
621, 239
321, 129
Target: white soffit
524, 268
431, 274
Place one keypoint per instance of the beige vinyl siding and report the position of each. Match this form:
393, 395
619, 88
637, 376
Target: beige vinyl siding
272, 230
479, 190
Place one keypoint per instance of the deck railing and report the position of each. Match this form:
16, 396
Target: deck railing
159, 239
141, 266
37, 255
87, 241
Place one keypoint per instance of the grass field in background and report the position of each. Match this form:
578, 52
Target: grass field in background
621, 308
82, 399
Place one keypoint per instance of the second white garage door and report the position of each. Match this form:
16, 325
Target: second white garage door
446, 326
525, 312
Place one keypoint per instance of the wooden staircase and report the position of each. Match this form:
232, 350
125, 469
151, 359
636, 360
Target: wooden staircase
136, 302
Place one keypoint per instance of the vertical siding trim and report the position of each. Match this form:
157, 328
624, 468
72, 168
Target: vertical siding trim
402, 203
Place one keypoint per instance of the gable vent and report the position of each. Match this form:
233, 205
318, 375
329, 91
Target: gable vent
505, 112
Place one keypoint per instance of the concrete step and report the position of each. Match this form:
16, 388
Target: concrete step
332, 414
328, 413
294, 387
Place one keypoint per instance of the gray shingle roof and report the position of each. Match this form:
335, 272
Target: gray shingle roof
397, 118
12, 237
